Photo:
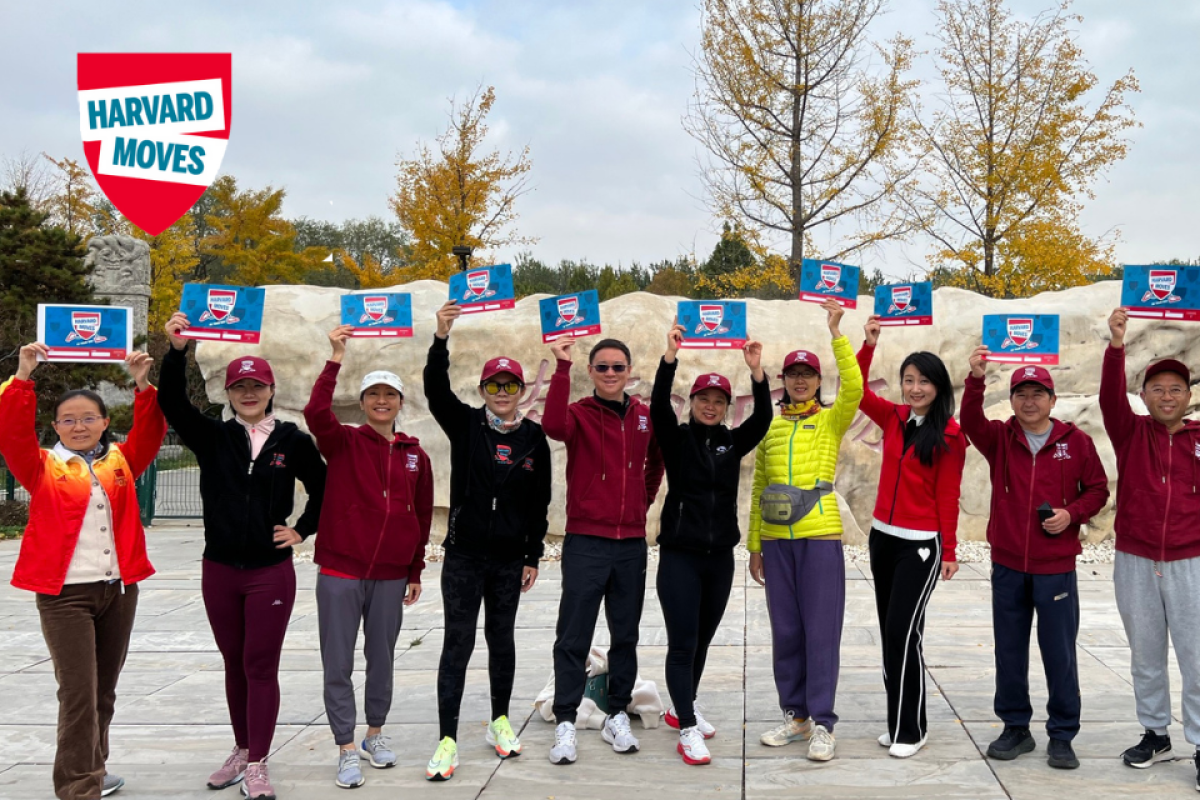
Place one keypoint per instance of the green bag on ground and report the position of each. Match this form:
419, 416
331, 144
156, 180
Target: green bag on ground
596, 690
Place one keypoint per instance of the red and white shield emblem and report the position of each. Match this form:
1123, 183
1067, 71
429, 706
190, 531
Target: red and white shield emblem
711, 316
478, 281
1019, 331
375, 307
1162, 283
831, 275
221, 303
568, 307
154, 128
901, 297
86, 324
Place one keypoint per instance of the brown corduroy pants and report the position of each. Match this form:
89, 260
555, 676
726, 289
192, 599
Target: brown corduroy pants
87, 628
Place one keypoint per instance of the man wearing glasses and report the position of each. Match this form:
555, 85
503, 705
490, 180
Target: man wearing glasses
1157, 571
499, 493
614, 468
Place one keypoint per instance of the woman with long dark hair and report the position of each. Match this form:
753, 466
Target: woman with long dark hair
83, 552
912, 537
249, 466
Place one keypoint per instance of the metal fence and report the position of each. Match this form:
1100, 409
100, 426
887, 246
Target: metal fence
169, 489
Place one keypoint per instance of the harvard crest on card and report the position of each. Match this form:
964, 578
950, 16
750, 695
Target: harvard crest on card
85, 327
831, 276
221, 303
477, 284
901, 298
1019, 332
1162, 286
375, 310
568, 311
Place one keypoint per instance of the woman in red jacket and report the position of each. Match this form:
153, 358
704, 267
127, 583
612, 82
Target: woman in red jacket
83, 552
370, 547
913, 531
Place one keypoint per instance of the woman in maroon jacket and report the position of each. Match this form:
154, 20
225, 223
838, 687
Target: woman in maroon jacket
1047, 480
913, 532
370, 547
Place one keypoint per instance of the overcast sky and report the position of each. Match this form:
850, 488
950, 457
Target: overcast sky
326, 96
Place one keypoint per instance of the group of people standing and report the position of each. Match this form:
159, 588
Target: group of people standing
370, 502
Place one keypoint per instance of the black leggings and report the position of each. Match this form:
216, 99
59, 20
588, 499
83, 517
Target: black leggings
693, 589
465, 582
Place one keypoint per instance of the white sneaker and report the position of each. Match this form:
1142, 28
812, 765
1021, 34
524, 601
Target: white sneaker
790, 731
706, 728
899, 750
563, 751
885, 740
617, 733
691, 746
821, 745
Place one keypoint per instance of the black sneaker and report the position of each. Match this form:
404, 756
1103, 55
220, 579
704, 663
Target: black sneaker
1012, 743
1150, 750
1060, 755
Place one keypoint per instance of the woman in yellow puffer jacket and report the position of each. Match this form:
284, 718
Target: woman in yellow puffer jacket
795, 541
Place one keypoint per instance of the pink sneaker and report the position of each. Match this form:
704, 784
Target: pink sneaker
231, 771
258, 782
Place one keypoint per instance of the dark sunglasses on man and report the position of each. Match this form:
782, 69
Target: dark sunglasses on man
508, 387
603, 368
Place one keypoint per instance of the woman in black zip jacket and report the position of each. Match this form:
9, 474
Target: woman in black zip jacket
699, 524
499, 496
249, 466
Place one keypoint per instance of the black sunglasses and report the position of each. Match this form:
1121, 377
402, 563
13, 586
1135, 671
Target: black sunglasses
617, 368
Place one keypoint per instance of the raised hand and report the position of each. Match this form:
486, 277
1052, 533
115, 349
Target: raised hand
752, 351
871, 330
979, 361
175, 324
1117, 322
139, 364
674, 341
29, 359
561, 348
446, 315
835, 312
337, 342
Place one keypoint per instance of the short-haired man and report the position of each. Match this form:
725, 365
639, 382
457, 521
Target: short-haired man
614, 468
1047, 480
1157, 571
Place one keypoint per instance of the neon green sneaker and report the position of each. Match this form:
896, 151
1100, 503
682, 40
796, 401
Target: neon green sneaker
500, 736
441, 767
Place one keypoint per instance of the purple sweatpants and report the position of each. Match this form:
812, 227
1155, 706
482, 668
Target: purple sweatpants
806, 600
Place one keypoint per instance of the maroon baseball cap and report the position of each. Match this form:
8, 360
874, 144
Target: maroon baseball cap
1168, 365
802, 357
249, 367
502, 364
712, 380
1038, 375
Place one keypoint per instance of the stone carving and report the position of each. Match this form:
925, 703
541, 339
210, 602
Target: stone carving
298, 318
121, 274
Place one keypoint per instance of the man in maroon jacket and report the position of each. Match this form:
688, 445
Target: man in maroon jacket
1047, 480
614, 468
1157, 571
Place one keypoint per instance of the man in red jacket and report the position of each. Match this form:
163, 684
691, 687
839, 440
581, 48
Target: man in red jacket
1157, 571
614, 468
1047, 480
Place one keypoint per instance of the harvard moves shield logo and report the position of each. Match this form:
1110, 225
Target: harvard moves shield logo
901, 297
1019, 331
154, 127
85, 325
374, 309
831, 276
478, 281
1162, 285
568, 308
711, 317
221, 303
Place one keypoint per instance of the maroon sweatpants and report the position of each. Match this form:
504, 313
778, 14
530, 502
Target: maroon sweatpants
249, 611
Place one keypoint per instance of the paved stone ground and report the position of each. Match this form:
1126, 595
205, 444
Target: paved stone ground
171, 730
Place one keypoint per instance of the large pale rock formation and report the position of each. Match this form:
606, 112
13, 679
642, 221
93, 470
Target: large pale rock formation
297, 319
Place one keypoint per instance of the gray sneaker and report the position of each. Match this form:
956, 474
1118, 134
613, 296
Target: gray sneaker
616, 732
378, 752
111, 784
349, 774
563, 751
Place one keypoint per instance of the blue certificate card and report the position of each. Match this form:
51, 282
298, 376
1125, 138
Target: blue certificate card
570, 315
483, 289
821, 280
376, 314
1162, 292
222, 313
905, 304
1021, 338
95, 334
713, 324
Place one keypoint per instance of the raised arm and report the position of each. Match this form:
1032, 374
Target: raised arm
874, 406
324, 425
194, 428
983, 432
557, 420
18, 420
662, 412
1115, 410
450, 413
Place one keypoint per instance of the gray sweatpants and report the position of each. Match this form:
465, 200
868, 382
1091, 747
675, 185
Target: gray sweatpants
342, 605
1151, 606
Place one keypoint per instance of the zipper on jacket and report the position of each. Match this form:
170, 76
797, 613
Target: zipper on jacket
1029, 509
1167, 506
624, 478
387, 510
791, 440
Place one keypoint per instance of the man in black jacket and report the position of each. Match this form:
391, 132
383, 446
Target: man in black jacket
499, 495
